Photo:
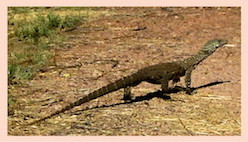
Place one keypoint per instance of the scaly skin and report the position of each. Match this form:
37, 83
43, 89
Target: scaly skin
156, 74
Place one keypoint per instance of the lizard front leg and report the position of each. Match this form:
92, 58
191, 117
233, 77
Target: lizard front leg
165, 87
189, 90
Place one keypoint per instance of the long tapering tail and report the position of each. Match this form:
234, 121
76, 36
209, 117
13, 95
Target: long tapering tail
118, 84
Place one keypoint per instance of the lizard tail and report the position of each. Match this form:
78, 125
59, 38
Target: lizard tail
131, 80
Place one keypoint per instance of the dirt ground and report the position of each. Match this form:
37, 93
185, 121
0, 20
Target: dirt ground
116, 43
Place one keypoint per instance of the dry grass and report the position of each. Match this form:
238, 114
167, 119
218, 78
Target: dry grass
214, 111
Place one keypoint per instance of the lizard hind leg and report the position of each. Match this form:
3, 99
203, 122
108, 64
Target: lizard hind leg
165, 88
128, 95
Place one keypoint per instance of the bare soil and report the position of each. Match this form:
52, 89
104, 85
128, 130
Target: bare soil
120, 41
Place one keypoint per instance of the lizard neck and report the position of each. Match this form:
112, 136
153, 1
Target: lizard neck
196, 59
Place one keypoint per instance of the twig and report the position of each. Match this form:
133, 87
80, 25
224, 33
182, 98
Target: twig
46, 69
185, 127
71, 29
139, 29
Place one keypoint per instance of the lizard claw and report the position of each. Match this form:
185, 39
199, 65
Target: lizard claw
190, 91
128, 98
166, 97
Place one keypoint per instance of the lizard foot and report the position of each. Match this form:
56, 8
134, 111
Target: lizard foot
128, 98
190, 91
165, 96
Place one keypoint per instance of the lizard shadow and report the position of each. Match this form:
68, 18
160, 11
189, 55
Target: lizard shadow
158, 94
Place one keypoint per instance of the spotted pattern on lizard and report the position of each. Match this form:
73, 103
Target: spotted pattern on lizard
157, 74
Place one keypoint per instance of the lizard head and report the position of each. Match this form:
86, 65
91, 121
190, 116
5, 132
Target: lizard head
212, 45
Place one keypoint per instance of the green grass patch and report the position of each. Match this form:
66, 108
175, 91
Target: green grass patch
45, 26
31, 39
69, 21
26, 62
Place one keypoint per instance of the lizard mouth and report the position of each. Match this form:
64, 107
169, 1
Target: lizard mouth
229, 45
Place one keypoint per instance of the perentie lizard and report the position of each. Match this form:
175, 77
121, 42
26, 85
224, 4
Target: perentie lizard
157, 74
